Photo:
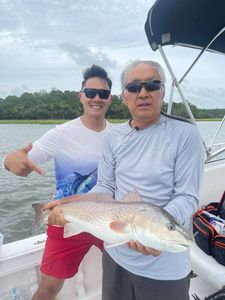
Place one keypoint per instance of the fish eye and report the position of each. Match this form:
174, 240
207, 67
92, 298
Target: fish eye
170, 226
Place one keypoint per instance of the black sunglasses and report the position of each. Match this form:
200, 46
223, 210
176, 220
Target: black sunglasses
91, 93
150, 86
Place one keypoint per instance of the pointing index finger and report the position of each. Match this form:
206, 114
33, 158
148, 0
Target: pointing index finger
36, 168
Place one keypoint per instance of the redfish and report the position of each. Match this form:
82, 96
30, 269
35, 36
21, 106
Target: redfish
118, 222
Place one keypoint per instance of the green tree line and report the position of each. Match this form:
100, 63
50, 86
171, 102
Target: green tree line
57, 104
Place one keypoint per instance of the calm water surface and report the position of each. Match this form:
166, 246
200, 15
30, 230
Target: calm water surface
17, 193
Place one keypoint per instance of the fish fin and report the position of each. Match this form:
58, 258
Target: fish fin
120, 226
70, 229
116, 244
97, 197
88, 197
107, 197
132, 197
41, 216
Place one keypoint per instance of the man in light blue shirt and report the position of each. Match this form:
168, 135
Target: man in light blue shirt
162, 158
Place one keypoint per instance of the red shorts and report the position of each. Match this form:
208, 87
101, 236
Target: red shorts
62, 256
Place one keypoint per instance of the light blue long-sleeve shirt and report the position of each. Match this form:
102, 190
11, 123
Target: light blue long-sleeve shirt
164, 163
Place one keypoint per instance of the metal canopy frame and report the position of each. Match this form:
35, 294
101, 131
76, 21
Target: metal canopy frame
177, 84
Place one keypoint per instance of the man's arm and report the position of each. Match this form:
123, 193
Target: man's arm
188, 173
19, 163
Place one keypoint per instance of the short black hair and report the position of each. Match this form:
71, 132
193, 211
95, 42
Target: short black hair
96, 71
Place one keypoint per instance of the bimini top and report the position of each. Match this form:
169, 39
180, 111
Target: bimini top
190, 23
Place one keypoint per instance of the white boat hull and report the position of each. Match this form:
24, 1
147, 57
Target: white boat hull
19, 271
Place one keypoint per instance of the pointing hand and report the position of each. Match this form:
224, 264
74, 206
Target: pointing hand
18, 162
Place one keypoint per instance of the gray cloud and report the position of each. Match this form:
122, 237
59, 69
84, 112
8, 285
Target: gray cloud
3, 93
207, 97
202, 97
95, 23
18, 91
46, 43
85, 56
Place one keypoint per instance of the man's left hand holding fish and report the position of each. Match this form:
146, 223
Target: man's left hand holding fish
56, 217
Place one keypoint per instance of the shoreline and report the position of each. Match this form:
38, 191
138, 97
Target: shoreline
42, 122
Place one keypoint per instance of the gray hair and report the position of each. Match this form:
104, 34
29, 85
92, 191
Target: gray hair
134, 63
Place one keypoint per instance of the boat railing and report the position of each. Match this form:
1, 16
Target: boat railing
215, 150
216, 147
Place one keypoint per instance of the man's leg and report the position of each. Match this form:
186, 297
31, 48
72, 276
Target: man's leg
150, 289
120, 284
48, 288
61, 260
116, 283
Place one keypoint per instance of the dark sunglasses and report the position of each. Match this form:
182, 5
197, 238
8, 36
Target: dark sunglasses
91, 93
150, 86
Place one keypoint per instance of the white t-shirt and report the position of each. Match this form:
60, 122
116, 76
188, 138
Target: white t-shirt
76, 150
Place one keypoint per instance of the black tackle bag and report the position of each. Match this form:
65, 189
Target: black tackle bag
209, 229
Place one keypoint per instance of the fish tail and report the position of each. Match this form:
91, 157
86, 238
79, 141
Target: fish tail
41, 216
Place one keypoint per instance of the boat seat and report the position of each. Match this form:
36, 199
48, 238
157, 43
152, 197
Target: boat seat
207, 268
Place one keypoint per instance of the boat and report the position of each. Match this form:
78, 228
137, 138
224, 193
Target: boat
186, 23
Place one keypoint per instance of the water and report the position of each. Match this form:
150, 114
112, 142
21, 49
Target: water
17, 193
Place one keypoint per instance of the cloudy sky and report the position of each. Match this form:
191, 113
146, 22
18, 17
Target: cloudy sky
46, 44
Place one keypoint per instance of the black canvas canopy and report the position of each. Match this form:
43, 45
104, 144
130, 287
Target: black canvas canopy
191, 23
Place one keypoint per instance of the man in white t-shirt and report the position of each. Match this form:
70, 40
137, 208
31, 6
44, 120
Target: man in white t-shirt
75, 147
